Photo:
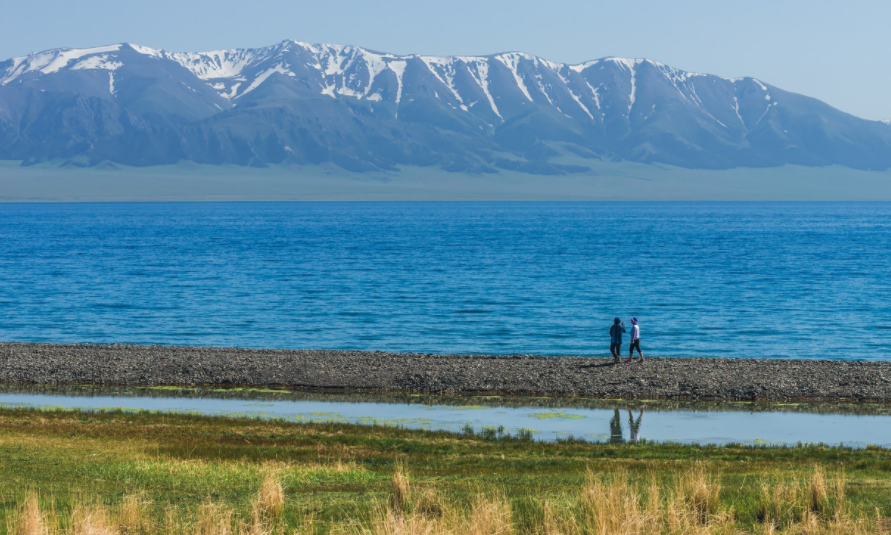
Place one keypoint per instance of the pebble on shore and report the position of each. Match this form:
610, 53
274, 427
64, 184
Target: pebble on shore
659, 378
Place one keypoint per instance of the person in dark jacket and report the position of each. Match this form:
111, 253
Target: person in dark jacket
615, 338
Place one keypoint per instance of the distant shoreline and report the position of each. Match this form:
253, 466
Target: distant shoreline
699, 378
608, 181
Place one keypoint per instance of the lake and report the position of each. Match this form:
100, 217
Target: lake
778, 280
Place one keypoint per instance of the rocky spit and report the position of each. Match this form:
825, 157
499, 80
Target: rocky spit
375, 371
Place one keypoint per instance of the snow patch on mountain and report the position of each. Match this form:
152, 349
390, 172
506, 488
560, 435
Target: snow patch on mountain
579, 102
887, 121
61, 57
217, 63
336, 62
146, 51
573, 95
596, 96
50, 61
630, 65
262, 78
736, 109
544, 92
397, 67
444, 70
375, 64
678, 78
763, 115
583, 66
97, 62
481, 76
512, 61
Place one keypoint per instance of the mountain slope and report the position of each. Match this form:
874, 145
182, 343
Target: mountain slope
363, 110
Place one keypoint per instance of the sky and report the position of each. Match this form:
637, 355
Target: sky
836, 51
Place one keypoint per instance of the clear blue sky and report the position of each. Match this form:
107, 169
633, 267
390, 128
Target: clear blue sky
837, 51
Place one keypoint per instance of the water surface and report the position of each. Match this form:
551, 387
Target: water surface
803, 280
544, 419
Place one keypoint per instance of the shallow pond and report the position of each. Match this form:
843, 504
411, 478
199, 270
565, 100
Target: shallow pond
541, 418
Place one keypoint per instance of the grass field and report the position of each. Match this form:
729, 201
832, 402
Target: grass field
72, 472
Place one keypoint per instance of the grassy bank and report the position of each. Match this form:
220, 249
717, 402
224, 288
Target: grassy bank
127, 473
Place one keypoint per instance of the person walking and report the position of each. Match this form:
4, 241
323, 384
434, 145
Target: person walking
635, 341
615, 339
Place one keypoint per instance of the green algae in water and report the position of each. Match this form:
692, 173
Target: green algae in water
330, 417
250, 390
244, 414
421, 423
549, 415
311, 419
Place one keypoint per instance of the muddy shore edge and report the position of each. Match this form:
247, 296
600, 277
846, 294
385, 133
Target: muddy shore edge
698, 378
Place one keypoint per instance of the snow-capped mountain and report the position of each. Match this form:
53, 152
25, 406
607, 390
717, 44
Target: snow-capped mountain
305, 103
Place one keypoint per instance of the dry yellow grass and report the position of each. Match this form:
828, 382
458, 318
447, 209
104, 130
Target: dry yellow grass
92, 520
270, 500
134, 516
607, 504
486, 516
401, 490
617, 505
29, 520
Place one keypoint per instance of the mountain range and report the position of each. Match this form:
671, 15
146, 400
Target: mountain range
299, 104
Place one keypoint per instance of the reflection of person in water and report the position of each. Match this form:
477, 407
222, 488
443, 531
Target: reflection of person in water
615, 429
635, 427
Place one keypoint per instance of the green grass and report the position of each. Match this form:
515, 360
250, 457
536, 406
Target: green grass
340, 471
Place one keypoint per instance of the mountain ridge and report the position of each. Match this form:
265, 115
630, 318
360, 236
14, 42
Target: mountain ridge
302, 103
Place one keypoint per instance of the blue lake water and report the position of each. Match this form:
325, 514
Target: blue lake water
803, 280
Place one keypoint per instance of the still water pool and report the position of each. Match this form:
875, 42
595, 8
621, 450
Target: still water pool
544, 419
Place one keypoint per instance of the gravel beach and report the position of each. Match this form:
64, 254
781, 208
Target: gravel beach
658, 378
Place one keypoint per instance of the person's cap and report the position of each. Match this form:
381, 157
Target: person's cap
633, 320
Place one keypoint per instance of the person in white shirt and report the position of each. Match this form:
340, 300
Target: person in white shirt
635, 341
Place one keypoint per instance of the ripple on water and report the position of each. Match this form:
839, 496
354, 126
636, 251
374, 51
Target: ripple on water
729, 279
